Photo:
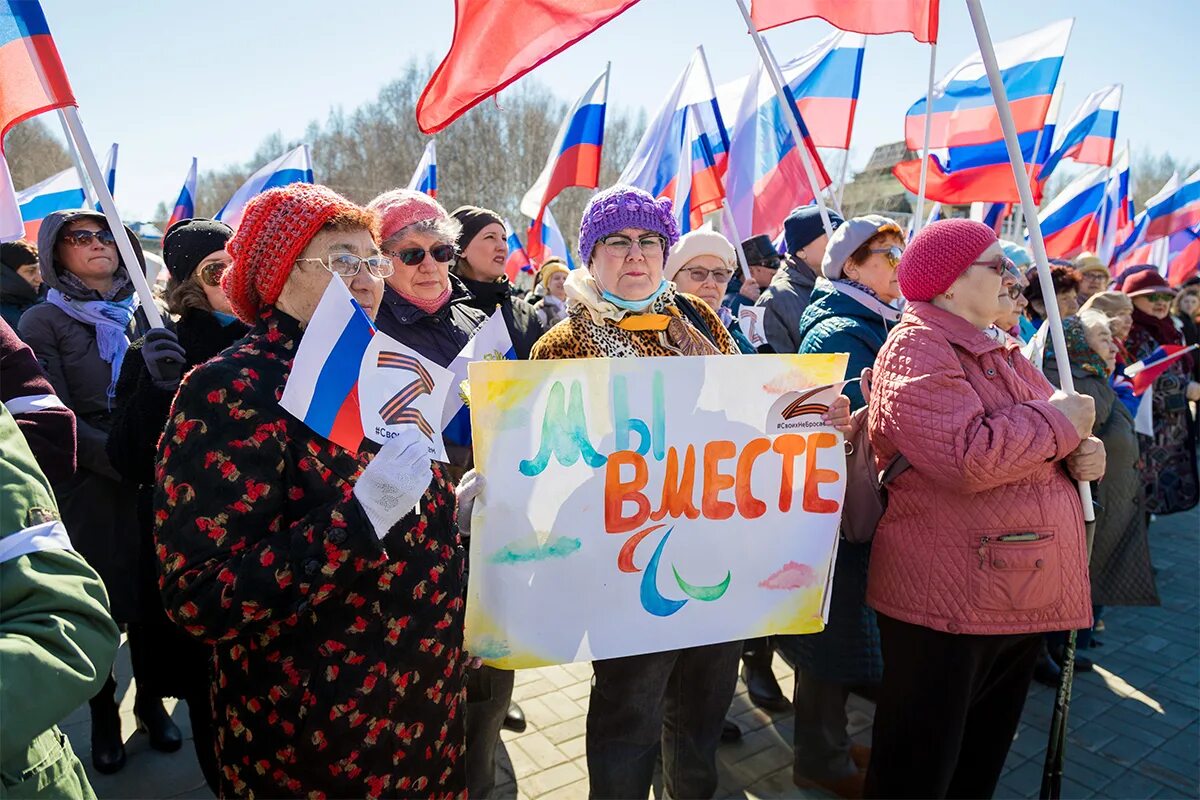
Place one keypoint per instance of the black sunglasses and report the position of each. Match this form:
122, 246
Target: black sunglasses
85, 238
411, 256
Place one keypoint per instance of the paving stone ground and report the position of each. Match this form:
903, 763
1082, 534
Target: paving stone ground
1134, 727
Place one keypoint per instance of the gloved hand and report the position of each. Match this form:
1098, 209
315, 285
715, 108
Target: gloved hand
164, 358
395, 479
469, 488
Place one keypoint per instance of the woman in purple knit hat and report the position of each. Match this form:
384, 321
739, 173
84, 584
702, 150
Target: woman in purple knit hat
621, 305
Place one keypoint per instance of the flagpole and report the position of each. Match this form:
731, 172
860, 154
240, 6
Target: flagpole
777, 81
842, 177
919, 219
88, 195
133, 264
1052, 771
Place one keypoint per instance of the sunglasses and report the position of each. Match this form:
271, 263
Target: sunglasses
700, 274
771, 265
211, 272
85, 238
892, 254
347, 265
1160, 297
1001, 265
412, 256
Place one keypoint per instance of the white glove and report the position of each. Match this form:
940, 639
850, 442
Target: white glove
394, 481
470, 488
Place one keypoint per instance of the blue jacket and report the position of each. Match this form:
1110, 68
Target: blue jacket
836, 323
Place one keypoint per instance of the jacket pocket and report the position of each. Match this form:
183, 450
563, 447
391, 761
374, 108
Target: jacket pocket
1015, 571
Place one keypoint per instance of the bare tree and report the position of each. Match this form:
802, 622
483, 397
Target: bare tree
1150, 171
488, 157
33, 153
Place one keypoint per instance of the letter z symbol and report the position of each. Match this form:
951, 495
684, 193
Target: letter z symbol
396, 411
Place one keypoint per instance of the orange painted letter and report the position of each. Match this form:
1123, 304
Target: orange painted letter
813, 477
789, 445
715, 481
749, 506
677, 489
617, 492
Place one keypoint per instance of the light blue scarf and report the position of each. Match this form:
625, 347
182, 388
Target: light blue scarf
635, 306
110, 318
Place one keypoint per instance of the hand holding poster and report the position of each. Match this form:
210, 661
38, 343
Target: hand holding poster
640, 505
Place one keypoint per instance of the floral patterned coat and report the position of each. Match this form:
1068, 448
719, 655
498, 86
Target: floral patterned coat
338, 657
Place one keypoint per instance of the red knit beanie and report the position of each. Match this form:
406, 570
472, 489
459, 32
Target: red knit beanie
939, 254
276, 227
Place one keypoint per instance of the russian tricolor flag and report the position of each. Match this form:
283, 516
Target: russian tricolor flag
965, 121
1143, 373
425, 177
294, 166
322, 390
990, 214
766, 177
518, 260
59, 192
1183, 256
683, 153
110, 172
1167, 213
491, 342
550, 243
575, 155
1092, 131
32, 80
185, 206
1070, 222
1115, 213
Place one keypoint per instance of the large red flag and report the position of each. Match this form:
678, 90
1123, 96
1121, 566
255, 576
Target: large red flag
918, 17
496, 42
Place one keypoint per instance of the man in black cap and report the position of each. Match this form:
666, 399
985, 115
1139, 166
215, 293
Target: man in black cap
787, 296
763, 262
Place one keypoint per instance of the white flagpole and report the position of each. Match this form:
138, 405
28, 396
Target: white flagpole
88, 195
1017, 161
133, 265
919, 219
777, 81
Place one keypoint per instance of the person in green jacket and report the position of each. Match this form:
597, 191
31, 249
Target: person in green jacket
57, 638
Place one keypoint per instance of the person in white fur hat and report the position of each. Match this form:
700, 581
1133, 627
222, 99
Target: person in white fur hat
701, 264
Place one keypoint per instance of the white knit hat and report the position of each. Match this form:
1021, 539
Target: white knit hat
703, 241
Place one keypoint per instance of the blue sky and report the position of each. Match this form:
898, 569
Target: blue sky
171, 80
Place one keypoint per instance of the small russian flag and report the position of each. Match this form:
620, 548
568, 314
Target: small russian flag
1143, 373
425, 177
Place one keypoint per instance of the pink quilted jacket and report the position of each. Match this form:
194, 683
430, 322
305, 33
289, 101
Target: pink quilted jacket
984, 535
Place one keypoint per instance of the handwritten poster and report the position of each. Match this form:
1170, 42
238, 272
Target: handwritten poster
640, 505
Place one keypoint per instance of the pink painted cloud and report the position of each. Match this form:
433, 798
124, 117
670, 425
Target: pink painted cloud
791, 576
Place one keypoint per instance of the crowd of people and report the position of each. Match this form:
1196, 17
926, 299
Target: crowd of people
307, 603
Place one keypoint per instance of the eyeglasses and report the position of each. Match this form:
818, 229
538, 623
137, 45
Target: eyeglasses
771, 265
1160, 297
650, 244
84, 238
411, 256
347, 265
700, 274
1001, 265
1015, 291
211, 272
892, 254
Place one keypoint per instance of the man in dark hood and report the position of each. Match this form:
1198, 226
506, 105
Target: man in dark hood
20, 280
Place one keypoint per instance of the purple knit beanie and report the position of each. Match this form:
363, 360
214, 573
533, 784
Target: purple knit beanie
939, 254
621, 207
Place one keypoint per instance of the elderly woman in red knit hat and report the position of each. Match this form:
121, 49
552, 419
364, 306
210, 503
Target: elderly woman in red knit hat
329, 583
982, 546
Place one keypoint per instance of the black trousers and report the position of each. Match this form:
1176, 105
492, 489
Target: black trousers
947, 711
489, 692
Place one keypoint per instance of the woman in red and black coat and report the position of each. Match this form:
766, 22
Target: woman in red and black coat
328, 583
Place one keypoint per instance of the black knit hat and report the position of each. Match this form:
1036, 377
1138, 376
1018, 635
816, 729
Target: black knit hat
760, 252
188, 242
473, 219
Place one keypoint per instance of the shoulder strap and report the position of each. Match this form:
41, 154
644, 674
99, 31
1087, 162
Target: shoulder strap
694, 317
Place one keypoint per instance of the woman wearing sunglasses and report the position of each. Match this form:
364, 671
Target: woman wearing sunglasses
981, 549
701, 264
482, 251
80, 335
849, 312
194, 252
1169, 457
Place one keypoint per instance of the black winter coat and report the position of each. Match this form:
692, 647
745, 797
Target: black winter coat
520, 317
339, 661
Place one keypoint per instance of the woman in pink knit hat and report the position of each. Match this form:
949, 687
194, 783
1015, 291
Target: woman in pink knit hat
981, 549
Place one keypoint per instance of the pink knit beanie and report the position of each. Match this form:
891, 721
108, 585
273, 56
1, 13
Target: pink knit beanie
400, 208
939, 254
